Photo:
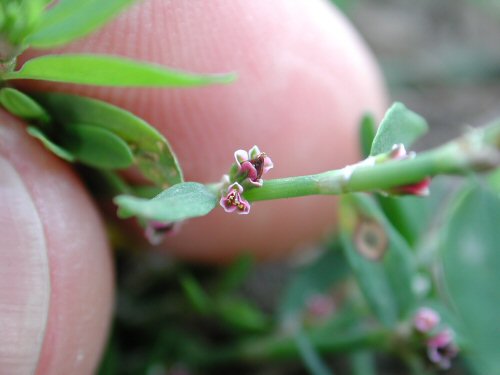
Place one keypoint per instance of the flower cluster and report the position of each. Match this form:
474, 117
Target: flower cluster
441, 349
440, 343
250, 167
253, 164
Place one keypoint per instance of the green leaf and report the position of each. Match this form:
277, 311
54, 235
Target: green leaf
195, 294
241, 315
471, 260
145, 191
367, 131
18, 19
21, 105
152, 153
105, 70
180, 202
56, 149
310, 357
494, 180
399, 125
73, 19
380, 258
363, 363
235, 274
97, 147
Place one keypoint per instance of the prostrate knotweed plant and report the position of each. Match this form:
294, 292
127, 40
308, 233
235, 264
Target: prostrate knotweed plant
391, 172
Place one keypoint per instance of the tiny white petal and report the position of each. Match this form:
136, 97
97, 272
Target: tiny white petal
240, 156
236, 186
347, 172
254, 152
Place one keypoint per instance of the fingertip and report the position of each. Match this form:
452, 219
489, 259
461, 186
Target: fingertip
25, 281
78, 284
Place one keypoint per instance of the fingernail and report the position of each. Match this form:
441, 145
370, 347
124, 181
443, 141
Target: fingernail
24, 276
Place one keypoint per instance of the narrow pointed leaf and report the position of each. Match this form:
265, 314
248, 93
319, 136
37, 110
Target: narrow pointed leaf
97, 147
152, 153
196, 294
367, 131
103, 70
241, 315
73, 19
51, 146
233, 275
310, 357
21, 105
180, 202
399, 125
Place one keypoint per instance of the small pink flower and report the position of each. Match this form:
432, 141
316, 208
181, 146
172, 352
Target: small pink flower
420, 189
233, 201
253, 164
441, 349
426, 320
156, 231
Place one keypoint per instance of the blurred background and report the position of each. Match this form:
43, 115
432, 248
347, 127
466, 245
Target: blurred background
441, 58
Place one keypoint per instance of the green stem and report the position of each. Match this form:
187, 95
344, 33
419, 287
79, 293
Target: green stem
477, 150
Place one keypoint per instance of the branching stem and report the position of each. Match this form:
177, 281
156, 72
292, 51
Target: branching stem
477, 150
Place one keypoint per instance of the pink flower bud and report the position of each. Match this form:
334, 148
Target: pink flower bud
253, 164
441, 349
420, 189
426, 320
156, 231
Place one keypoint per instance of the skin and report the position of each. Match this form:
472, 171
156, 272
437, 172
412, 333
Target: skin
56, 284
305, 78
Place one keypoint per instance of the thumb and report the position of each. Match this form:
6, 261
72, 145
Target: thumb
56, 284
